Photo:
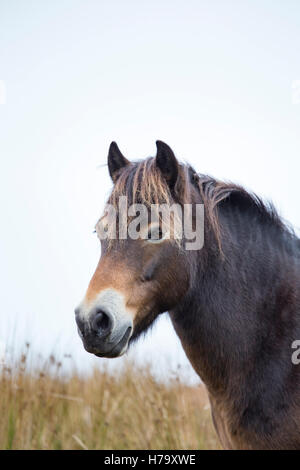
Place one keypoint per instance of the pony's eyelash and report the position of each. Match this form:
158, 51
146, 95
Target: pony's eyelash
156, 241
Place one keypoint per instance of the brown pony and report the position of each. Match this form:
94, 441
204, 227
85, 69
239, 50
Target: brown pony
235, 303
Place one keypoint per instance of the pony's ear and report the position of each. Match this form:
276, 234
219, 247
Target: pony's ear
116, 161
167, 163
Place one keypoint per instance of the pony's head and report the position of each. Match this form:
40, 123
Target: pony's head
138, 276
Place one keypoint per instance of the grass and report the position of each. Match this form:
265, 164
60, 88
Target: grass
42, 409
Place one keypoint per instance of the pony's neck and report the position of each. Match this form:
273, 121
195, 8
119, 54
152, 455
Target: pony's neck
232, 314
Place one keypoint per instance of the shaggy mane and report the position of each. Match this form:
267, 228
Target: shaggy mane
143, 183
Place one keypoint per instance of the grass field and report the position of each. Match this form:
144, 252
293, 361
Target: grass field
42, 409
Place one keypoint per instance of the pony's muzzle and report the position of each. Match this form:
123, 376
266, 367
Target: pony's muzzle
103, 332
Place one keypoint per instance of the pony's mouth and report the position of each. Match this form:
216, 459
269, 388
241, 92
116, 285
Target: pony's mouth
118, 349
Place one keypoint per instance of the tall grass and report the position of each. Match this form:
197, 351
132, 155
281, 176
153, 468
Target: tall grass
40, 408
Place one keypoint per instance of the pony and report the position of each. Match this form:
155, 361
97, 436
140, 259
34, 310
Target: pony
234, 303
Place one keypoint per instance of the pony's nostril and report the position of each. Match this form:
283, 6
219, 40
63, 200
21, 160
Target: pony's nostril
101, 323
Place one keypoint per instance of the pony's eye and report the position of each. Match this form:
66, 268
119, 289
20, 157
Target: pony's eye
155, 234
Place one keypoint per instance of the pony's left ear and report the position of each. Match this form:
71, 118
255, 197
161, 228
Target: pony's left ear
116, 161
167, 163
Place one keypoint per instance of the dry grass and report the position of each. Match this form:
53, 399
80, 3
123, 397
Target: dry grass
40, 409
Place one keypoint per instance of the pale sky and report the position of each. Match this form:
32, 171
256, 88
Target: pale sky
214, 79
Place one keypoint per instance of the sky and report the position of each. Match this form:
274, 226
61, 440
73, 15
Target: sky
218, 80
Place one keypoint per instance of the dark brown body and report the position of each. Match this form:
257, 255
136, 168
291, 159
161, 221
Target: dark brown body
245, 311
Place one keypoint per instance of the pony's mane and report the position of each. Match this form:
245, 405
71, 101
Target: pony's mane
143, 183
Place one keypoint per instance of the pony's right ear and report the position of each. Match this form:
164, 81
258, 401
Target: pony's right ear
116, 161
167, 163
